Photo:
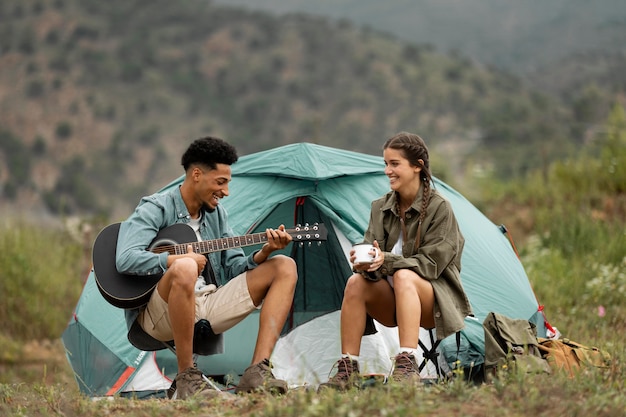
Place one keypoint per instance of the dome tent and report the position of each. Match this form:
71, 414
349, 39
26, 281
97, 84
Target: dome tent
297, 184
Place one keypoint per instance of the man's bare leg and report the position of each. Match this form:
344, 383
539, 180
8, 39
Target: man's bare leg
177, 289
273, 283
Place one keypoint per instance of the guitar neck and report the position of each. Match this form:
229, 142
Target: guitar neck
216, 245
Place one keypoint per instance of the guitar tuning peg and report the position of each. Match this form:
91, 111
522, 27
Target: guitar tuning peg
301, 244
309, 244
319, 243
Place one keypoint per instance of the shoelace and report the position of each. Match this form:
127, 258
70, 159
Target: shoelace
404, 365
266, 368
345, 368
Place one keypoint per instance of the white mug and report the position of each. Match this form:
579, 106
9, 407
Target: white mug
363, 253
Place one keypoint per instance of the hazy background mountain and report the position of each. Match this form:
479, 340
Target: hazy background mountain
520, 36
99, 98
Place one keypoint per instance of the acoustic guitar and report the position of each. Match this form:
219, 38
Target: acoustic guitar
132, 291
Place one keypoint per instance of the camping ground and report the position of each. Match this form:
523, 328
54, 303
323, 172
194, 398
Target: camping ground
36, 380
569, 228
46, 388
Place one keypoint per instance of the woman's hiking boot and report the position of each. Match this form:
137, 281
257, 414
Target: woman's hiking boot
347, 376
405, 369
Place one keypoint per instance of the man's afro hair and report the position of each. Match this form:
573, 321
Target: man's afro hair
209, 151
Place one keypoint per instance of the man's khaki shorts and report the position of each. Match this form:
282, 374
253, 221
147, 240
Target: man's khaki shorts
223, 307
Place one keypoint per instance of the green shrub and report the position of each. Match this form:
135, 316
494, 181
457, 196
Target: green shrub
40, 280
574, 255
10, 189
19, 163
63, 130
27, 42
573, 232
35, 89
39, 147
608, 285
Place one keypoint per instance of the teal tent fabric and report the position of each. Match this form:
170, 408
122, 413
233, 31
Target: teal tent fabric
342, 184
96, 345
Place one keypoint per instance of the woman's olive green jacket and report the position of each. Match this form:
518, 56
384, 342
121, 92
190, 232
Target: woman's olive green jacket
437, 257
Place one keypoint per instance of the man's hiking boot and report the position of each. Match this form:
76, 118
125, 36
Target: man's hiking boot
259, 377
347, 376
191, 382
405, 369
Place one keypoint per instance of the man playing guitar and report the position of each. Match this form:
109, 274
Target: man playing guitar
233, 284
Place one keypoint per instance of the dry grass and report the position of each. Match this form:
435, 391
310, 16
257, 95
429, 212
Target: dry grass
41, 383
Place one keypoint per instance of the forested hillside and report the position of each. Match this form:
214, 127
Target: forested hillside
98, 99
520, 36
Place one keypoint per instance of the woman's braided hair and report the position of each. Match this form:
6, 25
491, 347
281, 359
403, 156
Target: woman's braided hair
414, 149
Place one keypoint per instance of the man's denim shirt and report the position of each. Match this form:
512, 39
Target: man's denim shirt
158, 211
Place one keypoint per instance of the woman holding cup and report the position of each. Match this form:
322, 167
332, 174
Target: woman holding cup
412, 278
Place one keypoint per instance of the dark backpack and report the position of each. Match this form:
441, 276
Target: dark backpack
464, 352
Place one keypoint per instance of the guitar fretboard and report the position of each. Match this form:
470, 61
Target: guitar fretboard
215, 245
208, 246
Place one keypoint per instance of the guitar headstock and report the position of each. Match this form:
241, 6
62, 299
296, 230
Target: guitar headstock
315, 232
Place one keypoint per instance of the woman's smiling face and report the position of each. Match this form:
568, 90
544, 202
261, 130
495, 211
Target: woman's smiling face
400, 172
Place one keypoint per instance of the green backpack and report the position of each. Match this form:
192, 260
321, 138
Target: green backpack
512, 344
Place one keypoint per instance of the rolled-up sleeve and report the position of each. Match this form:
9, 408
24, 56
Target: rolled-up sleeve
135, 235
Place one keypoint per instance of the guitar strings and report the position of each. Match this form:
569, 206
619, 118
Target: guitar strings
226, 243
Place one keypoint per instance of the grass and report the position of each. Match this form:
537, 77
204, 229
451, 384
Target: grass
575, 265
35, 378
593, 392
39, 268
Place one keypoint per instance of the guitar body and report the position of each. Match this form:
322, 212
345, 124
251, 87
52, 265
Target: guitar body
133, 291
124, 290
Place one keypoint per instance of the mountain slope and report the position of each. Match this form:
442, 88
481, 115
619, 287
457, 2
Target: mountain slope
98, 99
517, 35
